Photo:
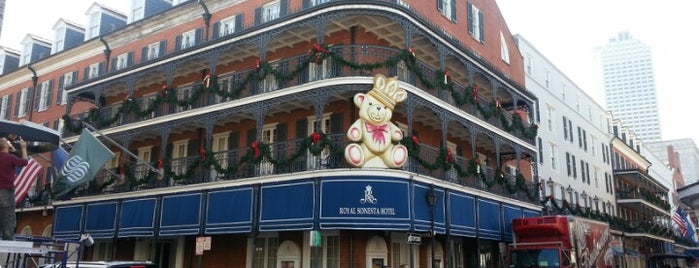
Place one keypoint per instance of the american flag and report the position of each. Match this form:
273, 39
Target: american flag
679, 220
26, 179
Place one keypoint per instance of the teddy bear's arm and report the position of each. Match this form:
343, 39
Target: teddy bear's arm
354, 133
396, 132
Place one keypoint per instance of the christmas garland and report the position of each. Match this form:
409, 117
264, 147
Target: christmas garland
318, 53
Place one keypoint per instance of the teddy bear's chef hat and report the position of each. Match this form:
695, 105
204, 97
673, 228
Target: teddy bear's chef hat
387, 92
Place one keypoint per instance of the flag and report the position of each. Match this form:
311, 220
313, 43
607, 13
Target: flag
679, 220
58, 158
27, 178
85, 160
690, 227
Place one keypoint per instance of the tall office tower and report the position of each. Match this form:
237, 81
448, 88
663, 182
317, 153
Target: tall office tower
629, 85
2, 14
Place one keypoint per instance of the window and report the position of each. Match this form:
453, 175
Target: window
570, 130
329, 253
582, 170
565, 128
529, 64
318, 2
179, 156
447, 8
59, 39
575, 168
323, 127
569, 166
145, 103
264, 251
547, 80
144, 153
137, 10
476, 24
122, 61
153, 51
271, 11
227, 26
188, 39
4, 105
270, 82
183, 93
553, 156
580, 136
94, 27
45, 95
550, 114
94, 70
65, 81
225, 84
23, 102
504, 51
318, 71
26, 54
563, 92
219, 147
541, 150
269, 136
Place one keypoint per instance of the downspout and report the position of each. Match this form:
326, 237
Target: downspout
107, 55
207, 19
33, 95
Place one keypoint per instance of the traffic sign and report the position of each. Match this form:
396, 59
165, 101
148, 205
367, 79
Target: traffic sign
414, 239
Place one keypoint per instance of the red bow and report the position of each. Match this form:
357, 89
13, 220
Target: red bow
160, 164
450, 157
412, 51
377, 132
416, 140
202, 153
257, 64
474, 93
315, 137
256, 148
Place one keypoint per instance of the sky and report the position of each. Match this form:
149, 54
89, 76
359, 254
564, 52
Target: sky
565, 31
568, 32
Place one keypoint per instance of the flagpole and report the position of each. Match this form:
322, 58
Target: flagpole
138, 159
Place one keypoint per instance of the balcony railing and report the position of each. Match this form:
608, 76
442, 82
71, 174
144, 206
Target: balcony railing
291, 157
345, 60
643, 195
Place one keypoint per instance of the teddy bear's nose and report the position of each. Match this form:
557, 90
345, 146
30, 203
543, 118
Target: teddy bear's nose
378, 108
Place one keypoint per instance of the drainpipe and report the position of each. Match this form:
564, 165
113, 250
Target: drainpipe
33, 93
207, 19
107, 55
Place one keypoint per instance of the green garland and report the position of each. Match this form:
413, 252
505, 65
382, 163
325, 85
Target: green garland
318, 54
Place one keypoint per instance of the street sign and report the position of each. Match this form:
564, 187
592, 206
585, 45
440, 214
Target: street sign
203, 243
414, 239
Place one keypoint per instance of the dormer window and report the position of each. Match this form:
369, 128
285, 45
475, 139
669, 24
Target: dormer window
94, 26
26, 54
59, 40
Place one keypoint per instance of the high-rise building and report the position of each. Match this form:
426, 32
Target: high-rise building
2, 14
683, 151
629, 85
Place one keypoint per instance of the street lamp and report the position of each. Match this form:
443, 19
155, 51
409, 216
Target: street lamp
550, 184
432, 202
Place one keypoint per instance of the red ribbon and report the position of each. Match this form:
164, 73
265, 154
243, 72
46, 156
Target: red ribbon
256, 148
160, 164
202, 153
377, 132
315, 137
450, 156
416, 140
474, 93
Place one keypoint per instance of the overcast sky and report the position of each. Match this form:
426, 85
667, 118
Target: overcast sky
565, 31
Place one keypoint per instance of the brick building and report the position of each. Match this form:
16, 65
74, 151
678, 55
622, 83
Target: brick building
245, 106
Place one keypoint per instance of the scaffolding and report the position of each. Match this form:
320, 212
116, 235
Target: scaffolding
32, 251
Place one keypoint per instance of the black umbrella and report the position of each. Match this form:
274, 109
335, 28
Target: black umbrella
39, 139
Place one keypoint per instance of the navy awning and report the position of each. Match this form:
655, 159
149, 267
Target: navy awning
287, 206
181, 214
229, 211
67, 222
137, 217
463, 214
100, 221
509, 213
489, 225
39, 139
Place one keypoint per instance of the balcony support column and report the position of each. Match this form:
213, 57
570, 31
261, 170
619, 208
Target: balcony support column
474, 134
262, 44
131, 85
410, 105
319, 107
409, 29
444, 120
209, 132
170, 72
321, 25
213, 61
498, 147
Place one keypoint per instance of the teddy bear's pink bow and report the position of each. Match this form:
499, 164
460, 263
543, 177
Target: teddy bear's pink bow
377, 132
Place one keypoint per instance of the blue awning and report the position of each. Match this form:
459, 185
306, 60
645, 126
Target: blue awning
137, 217
288, 206
100, 221
229, 211
181, 214
489, 225
509, 213
67, 222
463, 214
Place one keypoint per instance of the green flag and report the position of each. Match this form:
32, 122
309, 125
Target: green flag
85, 160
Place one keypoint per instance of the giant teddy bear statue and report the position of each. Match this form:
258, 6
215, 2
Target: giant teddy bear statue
373, 133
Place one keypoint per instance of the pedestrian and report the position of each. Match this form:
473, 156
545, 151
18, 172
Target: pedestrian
8, 165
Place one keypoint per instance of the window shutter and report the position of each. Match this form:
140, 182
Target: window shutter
481, 25
197, 36
144, 54
283, 8
114, 64
337, 66
336, 125
59, 92
453, 10
178, 43
306, 4
239, 22
233, 140
282, 130
129, 59
439, 5
49, 95
301, 128
469, 18
258, 16
100, 68
168, 152
17, 100
163, 48
86, 73
251, 136
74, 78
37, 95
217, 28
192, 147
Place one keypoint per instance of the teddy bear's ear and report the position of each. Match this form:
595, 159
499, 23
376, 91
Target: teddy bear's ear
359, 98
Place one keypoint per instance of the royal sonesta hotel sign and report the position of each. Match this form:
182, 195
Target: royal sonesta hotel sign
365, 198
